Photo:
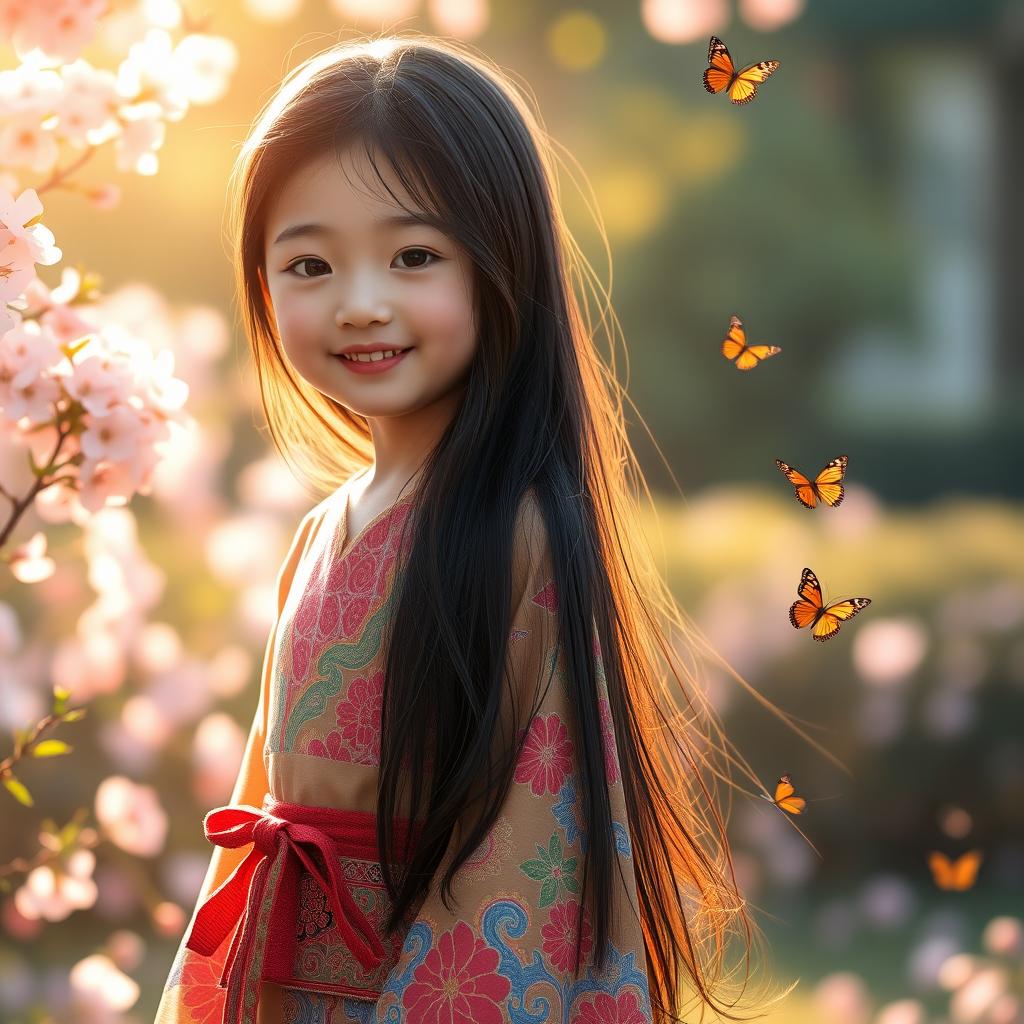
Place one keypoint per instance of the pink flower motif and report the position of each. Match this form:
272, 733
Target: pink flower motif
559, 935
354, 615
363, 574
331, 746
359, 717
200, 991
607, 1009
458, 982
611, 754
547, 757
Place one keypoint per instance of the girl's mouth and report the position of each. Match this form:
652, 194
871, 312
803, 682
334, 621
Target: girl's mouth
372, 366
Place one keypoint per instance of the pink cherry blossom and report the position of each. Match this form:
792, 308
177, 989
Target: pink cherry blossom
131, 816
21, 248
53, 31
86, 108
54, 891
205, 64
29, 561
28, 90
151, 68
27, 353
24, 142
100, 992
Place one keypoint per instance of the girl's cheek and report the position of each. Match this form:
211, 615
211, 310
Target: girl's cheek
445, 316
295, 323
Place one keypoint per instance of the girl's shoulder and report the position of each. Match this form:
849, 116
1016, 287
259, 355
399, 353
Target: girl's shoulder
327, 508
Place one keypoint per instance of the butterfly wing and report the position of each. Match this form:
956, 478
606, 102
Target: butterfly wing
807, 610
785, 796
832, 617
965, 870
755, 354
828, 483
805, 492
735, 342
955, 875
942, 870
721, 69
744, 85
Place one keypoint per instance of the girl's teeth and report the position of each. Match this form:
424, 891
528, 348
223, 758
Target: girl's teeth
373, 357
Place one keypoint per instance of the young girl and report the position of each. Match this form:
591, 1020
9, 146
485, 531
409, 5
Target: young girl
468, 795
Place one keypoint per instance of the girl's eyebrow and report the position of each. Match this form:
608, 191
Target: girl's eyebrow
321, 230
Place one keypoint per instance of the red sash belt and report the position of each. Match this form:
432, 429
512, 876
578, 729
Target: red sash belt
285, 837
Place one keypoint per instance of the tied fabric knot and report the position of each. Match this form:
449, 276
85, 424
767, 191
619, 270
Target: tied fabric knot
264, 834
265, 887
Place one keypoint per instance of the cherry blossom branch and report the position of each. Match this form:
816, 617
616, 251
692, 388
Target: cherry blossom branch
58, 176
52, 848
19, 505
28, 743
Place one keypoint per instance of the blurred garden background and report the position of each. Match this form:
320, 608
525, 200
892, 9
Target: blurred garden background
863, 212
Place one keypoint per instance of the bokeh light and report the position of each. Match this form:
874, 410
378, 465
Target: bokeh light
577, 40
670, 21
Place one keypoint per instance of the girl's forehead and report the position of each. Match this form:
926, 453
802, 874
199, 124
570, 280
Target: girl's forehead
341, 186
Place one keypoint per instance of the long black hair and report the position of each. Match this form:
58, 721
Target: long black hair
541, 413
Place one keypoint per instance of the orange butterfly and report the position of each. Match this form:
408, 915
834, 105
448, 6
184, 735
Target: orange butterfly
786, 798
735, 347
722, 74
811, 610
958, 874
826, 486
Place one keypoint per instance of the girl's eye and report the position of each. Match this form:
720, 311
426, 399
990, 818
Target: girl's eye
308, 259
424, 252
416, 265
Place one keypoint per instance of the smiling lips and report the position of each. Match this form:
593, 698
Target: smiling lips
374, 364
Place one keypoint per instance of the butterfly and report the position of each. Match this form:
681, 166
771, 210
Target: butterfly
786, 798
957, 874
735, 347
810, 610
722, 74
826, 486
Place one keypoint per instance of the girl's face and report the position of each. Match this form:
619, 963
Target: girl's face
349, 277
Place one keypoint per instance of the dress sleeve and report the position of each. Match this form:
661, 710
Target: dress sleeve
191, 995
505, 953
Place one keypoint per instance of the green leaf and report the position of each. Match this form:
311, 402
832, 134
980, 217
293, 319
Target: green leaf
18, 791
51, 748
73, 716
548, 892
535, 869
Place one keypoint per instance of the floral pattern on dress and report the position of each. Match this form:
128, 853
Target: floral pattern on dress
357, 738
547, 757
315, 914
201, 998
458, 982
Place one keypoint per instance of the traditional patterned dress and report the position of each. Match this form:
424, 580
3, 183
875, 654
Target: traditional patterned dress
288, 926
